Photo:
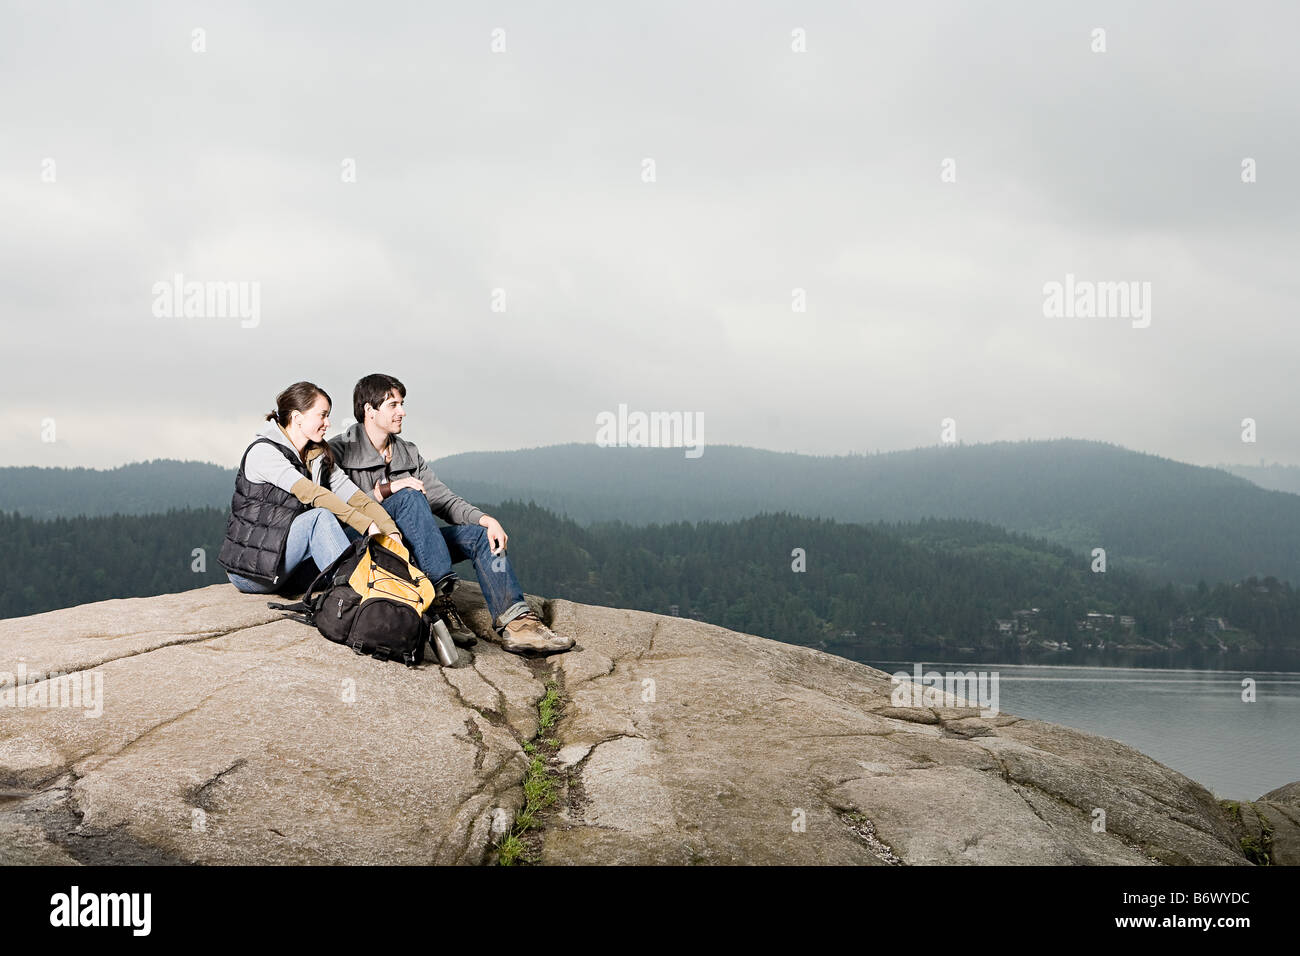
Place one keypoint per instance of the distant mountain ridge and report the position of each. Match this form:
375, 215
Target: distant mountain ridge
1172, 520
144, 487
1274, 477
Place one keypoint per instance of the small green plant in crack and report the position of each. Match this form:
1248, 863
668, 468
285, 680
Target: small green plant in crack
548, 707
1259, 850
539, 783
510, 849
1232, 808
539, 793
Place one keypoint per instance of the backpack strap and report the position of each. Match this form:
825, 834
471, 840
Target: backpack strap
310, 603
296, 606
306, 617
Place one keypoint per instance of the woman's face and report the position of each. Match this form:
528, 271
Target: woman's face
315, 422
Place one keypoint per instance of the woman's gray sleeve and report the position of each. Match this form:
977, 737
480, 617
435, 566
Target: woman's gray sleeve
264, 463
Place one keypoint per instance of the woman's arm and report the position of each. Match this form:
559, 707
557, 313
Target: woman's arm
346, 489
265, 463
314, 496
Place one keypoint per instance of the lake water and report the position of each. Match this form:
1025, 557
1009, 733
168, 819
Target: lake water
1192, 721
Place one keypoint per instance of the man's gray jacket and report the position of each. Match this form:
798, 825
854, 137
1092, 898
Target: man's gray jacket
367, 468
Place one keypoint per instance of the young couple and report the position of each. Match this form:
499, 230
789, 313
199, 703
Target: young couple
300, 500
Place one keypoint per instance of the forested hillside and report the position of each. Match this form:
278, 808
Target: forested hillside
1167, 519
1171, 521
932, 587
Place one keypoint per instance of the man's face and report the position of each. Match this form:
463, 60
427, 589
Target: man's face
389, 415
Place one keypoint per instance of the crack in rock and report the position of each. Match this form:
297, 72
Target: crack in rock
1127, 840
63, 822
501, 697
493, 717
145, 650
1029, 803
654, 632
476, 738
198, 796
162, 724
865, 830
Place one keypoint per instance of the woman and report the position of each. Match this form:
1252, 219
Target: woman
289, 498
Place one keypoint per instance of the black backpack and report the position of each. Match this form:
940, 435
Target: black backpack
372, 599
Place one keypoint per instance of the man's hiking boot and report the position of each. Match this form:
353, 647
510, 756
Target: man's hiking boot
526, 634
445, 608
440, 640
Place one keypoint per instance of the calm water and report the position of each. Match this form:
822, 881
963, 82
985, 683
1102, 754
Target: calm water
1192, 721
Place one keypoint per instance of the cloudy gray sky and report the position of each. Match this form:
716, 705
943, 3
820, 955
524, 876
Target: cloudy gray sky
522, 170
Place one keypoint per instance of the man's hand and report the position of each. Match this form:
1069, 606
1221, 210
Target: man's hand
408, 482
398, 485
495, 533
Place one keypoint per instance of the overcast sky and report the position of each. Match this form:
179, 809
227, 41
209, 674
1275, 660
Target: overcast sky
524, 170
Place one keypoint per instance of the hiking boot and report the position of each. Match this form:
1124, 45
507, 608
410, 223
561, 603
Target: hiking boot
440, 640
445, 608
527, 634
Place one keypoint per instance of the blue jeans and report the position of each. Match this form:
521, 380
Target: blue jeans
314, 534
434, 550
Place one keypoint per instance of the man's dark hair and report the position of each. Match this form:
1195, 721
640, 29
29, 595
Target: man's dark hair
373, 390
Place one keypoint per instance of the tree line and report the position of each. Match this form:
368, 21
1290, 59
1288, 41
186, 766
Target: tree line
934, 584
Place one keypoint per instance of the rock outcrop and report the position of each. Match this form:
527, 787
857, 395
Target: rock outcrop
230, 734
1268, 829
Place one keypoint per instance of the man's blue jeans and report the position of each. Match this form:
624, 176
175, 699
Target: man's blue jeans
314, 534
434, 550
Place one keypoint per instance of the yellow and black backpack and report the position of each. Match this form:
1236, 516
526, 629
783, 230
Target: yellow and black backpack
372, 599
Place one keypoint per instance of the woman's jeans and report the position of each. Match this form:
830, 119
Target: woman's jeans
434, 550
314, 534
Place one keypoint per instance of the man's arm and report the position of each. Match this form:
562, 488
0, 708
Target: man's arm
446, 504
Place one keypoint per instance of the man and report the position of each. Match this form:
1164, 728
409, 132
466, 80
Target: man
393, 471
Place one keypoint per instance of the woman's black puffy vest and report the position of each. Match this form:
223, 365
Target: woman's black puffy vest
260, 515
